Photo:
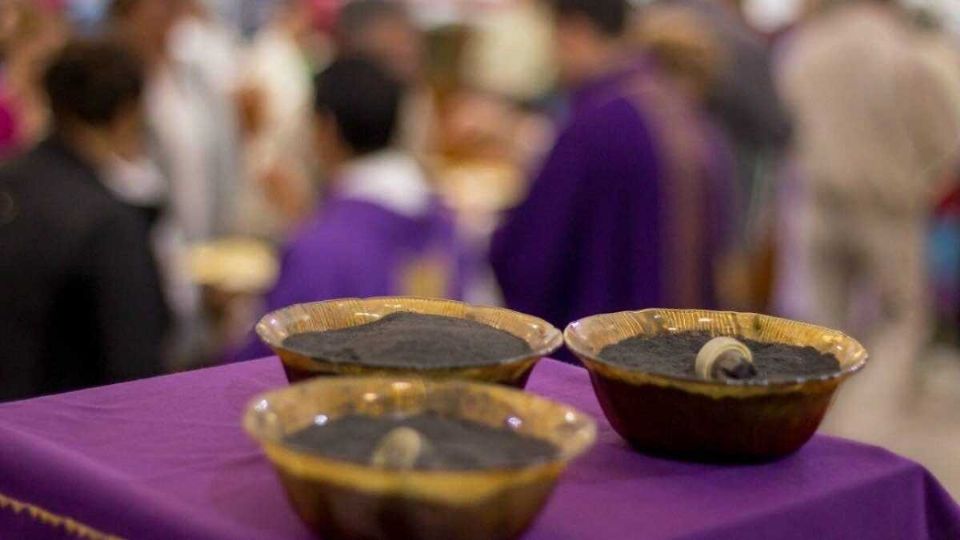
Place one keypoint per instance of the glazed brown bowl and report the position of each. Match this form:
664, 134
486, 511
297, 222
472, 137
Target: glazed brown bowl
691, 418
340, 499
275, 327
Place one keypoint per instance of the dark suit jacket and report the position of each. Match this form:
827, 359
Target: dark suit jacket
80, 297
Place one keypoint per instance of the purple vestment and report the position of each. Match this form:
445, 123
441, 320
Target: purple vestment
628, 210
357, 248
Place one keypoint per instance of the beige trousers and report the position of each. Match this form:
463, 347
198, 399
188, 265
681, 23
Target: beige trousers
869, 278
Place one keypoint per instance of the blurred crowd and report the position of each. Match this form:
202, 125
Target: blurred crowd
171, 170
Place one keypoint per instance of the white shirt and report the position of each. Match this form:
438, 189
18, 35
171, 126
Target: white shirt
389, 178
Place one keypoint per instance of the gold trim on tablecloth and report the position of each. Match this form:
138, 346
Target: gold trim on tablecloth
70, 525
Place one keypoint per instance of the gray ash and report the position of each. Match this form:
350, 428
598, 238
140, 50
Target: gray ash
455, 444
412, 340
675, 354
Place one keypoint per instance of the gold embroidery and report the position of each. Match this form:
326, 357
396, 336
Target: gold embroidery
70, 525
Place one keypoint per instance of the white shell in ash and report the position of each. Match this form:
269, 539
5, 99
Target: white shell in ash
399, 449
714, 349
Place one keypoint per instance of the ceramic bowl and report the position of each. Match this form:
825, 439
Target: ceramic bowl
340, 499
703, 420
543, 338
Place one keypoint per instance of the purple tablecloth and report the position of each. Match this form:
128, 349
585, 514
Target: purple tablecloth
166, 458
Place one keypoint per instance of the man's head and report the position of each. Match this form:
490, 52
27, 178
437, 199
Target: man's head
30, 31
95, 87
357, 107
383, 31
587, 32
296, 17
146, 24
686, 49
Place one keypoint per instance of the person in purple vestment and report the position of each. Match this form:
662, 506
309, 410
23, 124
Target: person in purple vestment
381, 230
630, 207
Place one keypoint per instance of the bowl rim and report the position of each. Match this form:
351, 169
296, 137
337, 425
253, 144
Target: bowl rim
552, 341
314, 461
572, 340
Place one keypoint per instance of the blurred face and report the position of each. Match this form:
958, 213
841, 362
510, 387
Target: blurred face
297, 17
8, 23
30, 34
576, 44
397, 44
149, 22
125, 133
329, 144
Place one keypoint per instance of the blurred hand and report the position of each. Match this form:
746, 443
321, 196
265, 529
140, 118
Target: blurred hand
251, 110
280, 186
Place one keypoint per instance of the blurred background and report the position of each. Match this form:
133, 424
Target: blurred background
821, 139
